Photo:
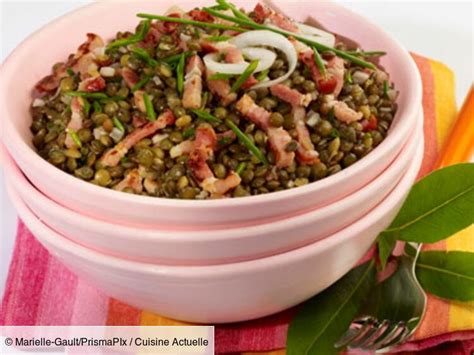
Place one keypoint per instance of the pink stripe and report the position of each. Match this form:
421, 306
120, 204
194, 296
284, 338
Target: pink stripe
25, 280
59, 289
90, 306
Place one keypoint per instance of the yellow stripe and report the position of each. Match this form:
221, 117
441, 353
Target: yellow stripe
152, 319
445, 101
461, 314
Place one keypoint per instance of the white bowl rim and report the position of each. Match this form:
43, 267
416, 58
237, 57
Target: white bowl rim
32, 158
196, 273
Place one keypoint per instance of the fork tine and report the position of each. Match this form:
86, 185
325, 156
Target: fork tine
398, 339
367, 328
391, 332
395, 334
381, 329
364, 338
354, 331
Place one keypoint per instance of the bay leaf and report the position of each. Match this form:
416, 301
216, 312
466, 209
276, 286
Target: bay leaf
447, 275
437, 206
323, 319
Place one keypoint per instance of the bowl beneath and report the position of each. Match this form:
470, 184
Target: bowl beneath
213, 246
230, 292
19, 73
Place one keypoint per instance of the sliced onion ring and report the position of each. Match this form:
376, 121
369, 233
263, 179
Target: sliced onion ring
317, 35
265, 57
271, 39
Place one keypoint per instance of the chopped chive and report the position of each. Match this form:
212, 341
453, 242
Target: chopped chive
87, 95
150, 110
221, 76
87, 108
335, 133
368, 54
331, 115
176, 57
141, 83
97, 107
218, 38
244, 76
262, 75
224, 141
74, 137
118, 124
349, 77
319, 62
190, 132
140, 36
196, 33
218, 7
112, 98
191, 22
340, 53
206, 116
241, 168
70, 72
145, 56
234, 9
385, 89
180, 74
246, 141
205, 97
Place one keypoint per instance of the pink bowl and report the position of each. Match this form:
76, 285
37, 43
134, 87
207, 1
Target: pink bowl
216, 246
229, 292
19, 73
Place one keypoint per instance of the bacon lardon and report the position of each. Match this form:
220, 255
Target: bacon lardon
130, 77
203, 149
82, 62
344, 113
113, 156
252, 111
139, 100
77, 120
132, 180
193, 83
92, 84
292, 96
264, 14
221, 88
277, 137
305, 153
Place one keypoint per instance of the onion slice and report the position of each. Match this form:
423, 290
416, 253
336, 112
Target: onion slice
270, 39
265, 57
317, 35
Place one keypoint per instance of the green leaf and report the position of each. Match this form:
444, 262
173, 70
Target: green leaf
437, 206
385, 243
325, 318
448, 275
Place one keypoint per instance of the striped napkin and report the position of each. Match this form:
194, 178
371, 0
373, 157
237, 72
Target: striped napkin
40, 291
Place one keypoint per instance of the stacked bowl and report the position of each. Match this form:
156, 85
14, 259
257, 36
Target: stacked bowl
215, 260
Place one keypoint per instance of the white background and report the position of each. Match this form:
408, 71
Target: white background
440, 30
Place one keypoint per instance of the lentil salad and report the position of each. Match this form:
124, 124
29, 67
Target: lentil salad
214, 102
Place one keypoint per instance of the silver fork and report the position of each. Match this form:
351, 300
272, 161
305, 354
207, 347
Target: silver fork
394, 310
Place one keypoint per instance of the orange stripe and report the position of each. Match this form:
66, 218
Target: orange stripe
122, 314
436, 320
152, 319
429, 107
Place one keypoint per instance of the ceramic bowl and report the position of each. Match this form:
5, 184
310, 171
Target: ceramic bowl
230, 292
19, 73
214, 246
